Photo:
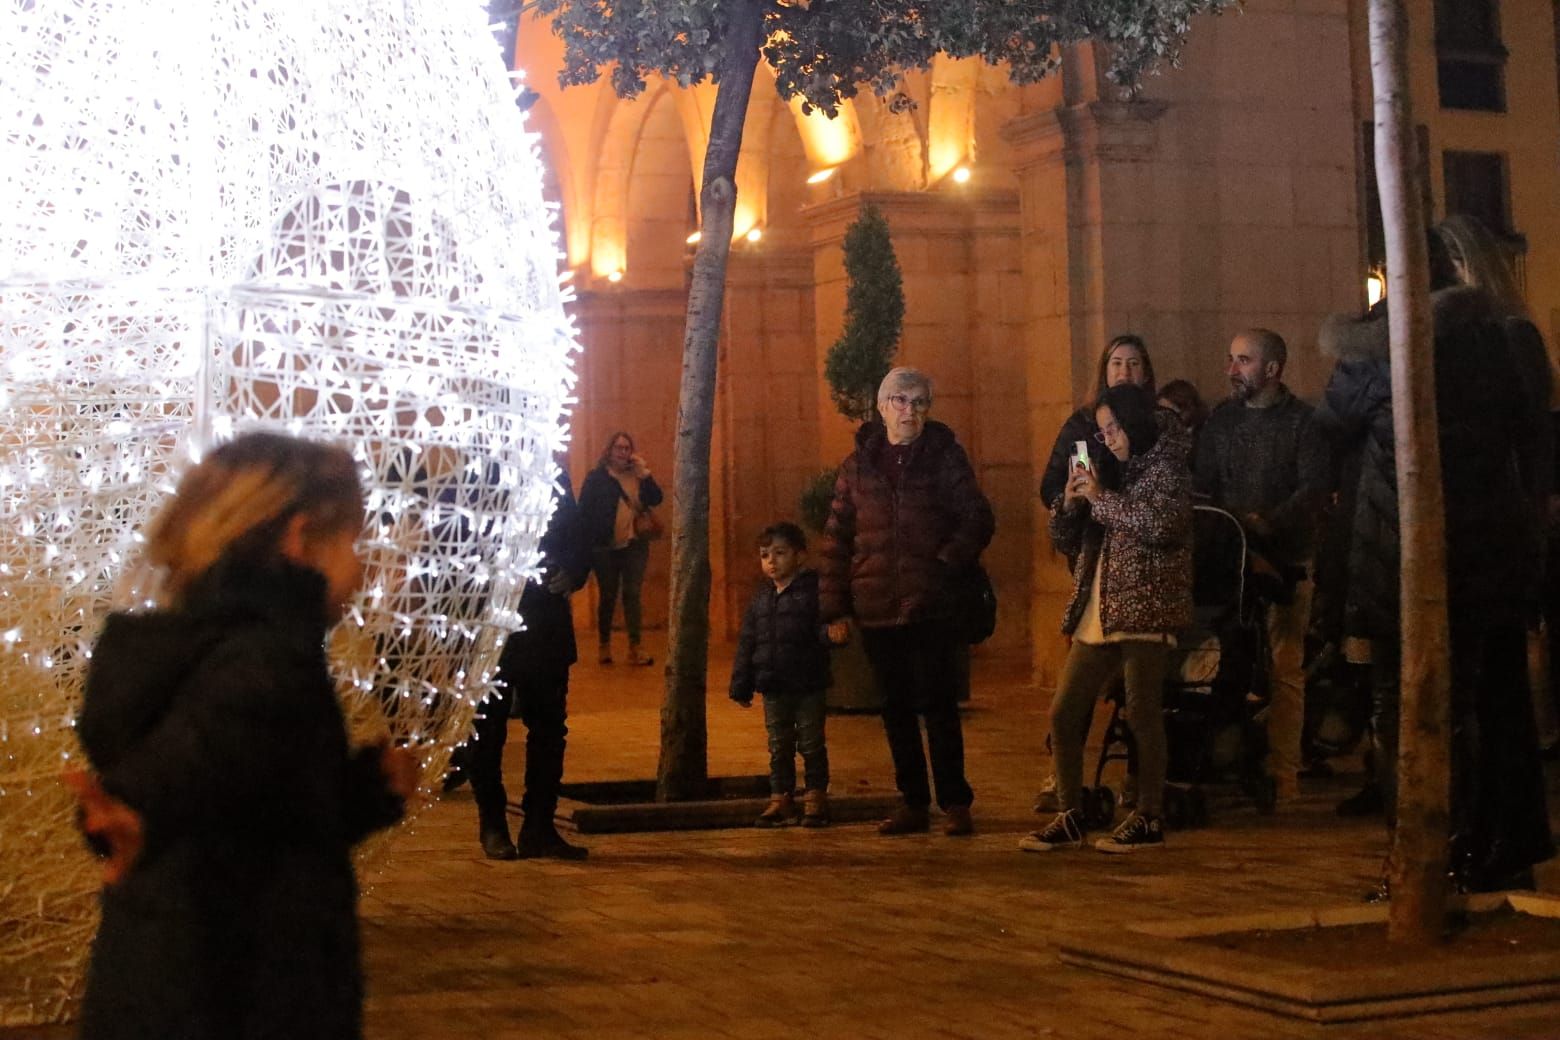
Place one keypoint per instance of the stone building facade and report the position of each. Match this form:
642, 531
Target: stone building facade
1031, 224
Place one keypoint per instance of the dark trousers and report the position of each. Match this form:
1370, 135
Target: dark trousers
916, 667
795, 723
1499, 819
620, 569
541, 702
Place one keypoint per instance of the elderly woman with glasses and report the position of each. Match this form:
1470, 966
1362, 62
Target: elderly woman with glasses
907, 522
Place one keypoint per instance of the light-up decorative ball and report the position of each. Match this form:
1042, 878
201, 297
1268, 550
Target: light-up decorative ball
322, 217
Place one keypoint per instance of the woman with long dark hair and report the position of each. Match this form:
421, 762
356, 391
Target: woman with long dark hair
1129, 526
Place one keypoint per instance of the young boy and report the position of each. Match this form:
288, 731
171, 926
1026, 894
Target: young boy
782, 657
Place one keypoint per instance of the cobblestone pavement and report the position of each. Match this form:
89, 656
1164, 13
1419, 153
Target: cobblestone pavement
839, 932
835, 933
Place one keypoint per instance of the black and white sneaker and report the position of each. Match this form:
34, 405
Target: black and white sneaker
1138, 833
1063, 832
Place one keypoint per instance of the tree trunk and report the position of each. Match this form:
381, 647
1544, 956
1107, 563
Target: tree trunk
1418, 864
683, 768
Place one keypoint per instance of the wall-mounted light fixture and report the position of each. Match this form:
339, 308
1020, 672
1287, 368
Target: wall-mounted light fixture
822, 175
615, 276
693, 239
755, 235
1375, 288
961, 175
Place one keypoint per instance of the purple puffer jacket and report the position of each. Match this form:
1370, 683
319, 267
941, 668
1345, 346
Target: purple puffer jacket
890, 554
1144, 533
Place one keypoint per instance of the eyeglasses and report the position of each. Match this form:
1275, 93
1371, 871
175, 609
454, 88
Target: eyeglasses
1106, 431
903, 403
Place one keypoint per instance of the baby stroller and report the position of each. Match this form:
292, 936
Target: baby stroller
1215, 692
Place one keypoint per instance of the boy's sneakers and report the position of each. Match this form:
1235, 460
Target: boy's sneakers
1064, 832
1138, 833
779, 812
815, 809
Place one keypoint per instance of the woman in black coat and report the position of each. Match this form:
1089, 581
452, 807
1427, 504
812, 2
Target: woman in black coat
1492, 560
214, 725
615, 504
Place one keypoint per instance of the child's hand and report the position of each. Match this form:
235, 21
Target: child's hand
400, 768
838, 632
108, 819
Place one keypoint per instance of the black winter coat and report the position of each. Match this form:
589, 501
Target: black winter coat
599, 498
219, 724
892, 554
781, 649
1492, 547
1080, 426
546, 646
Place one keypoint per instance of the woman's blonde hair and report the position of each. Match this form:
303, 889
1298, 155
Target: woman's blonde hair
1483, 262
237, 502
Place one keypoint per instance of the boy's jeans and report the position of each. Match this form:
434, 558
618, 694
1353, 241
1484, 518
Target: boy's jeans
795, 723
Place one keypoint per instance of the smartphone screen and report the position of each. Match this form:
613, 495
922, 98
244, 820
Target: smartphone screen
1081, 454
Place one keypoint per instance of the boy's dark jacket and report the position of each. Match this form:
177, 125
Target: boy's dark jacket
781, 651
219, 724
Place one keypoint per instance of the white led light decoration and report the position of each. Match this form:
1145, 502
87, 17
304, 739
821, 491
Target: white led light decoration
220, 215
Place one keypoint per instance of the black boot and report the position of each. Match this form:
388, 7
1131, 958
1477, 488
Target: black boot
493, 830
542, 841
496, 843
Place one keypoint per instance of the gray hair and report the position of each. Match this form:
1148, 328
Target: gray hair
902, 380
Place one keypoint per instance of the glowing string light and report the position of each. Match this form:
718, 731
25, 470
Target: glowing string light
217, 215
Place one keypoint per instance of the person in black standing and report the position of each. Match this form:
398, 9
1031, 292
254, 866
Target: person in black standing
533, 673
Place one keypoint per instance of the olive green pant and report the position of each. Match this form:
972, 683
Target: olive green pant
1142, 665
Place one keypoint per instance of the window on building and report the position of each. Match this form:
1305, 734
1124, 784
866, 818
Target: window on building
1470, 59
1476, 186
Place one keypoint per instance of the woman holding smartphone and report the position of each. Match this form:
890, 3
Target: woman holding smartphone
1130, 531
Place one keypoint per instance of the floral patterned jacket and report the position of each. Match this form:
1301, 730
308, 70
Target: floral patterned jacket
1143, 531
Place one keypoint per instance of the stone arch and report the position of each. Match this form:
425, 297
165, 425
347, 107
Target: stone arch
644, 149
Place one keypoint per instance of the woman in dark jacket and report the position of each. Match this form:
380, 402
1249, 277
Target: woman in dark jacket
907, 521
214, 724
1132, 592
616, 495
1499, 818
1124, 360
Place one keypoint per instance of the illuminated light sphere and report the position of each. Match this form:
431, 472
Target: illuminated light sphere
218, 215
961, 175
755, 235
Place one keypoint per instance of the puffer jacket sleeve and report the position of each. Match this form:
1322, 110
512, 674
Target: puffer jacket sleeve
974, 522
742, 678
1067, 528
839, 537
1156, 509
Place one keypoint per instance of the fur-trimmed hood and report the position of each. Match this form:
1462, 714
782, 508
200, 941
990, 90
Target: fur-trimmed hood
1347, 337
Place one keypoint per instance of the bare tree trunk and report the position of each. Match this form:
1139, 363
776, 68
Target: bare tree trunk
684, 764
1418, 864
